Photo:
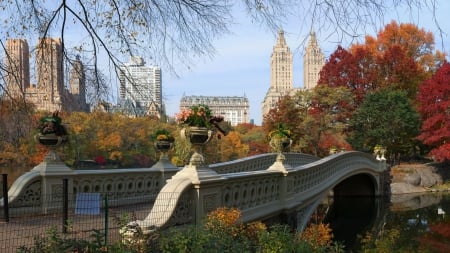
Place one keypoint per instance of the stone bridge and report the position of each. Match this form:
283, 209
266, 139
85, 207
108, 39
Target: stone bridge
282, 187
260, 186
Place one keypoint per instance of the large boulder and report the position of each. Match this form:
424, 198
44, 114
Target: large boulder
409, 178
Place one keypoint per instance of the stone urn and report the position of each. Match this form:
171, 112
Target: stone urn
280, 144
50, 140
163, 146
198, 137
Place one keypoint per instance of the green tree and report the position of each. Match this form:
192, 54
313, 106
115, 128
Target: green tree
386, 118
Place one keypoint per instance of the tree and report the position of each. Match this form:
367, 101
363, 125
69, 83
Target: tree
386, 118
351, 71
326, 118
289, 114
417, 44
434, 109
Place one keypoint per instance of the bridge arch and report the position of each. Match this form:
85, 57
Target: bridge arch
361, 184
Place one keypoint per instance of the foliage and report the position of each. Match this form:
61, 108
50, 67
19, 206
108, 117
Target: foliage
52, 125
417, 44
54, 241
280, 132
289, 113
400, 57
222, 232
163, 135
387, 118
434, 109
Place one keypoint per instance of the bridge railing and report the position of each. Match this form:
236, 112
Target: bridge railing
128, 185
260, 194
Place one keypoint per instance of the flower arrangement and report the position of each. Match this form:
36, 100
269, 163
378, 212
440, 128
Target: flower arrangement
199, 116
281, 132
163, 135
52, 125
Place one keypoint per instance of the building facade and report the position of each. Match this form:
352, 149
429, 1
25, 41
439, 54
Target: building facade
281, 65
313, 62
140, 88
281, 78
17, 63
49, 94
234, 109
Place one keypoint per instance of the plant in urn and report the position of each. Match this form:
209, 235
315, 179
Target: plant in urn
51, 132
199, 126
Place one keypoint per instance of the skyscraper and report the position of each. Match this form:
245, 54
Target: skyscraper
78, 86
17, 62
281, 80
140, 86
313, 62
281, 70
49, 94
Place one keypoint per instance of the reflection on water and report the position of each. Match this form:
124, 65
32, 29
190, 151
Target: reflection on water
421, 220
409, 223
349, 216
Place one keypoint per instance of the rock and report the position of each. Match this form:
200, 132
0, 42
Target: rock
402, 188
411, 178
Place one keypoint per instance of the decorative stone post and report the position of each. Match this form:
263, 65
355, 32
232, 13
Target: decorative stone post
52, 134
197, 168
164, 165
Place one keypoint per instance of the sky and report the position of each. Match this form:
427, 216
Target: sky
241, 65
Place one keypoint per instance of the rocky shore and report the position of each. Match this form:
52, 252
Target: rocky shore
419, 178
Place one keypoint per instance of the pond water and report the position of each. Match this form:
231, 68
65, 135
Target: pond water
405, 223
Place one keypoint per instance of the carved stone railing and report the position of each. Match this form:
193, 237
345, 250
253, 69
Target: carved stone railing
261, 162
259, 194
38, 188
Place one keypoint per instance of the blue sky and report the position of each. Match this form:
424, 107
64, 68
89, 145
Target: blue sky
241, 65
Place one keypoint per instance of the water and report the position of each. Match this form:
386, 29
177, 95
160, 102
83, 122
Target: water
406, 223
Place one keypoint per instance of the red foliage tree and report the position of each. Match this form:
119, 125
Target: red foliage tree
434, 108
354, 71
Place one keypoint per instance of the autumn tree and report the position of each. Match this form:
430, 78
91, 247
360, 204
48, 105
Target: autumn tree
386, 118
399, 58
417, 44
287, 112
324, 118
434, 108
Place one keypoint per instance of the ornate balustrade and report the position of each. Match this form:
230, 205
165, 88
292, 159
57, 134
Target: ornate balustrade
43, 183
262, 193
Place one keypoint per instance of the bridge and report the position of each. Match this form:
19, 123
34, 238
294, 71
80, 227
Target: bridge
260, 186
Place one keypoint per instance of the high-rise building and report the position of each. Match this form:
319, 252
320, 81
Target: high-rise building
78, 86
49, 92
17, 62
281, 70
313, 62
281, 79
234, 109
140, 87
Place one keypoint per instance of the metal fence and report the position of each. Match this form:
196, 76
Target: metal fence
80, 216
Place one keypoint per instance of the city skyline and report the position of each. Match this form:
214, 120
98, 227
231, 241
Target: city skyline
241, 65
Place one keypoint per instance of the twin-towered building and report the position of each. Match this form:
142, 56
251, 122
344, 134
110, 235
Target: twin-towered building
281, 74
49, 93
236, 109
